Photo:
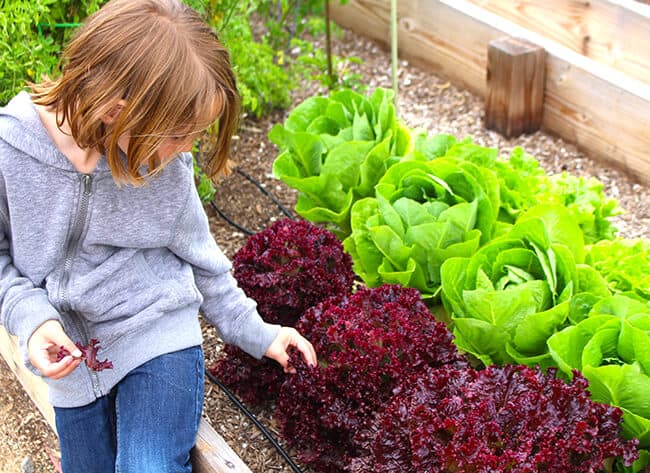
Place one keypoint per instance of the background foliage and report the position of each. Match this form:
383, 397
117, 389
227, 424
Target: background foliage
271, 44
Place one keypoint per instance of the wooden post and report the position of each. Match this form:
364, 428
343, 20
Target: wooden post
601, 110
515, 86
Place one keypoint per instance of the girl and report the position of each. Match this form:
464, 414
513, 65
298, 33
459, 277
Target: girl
103, 236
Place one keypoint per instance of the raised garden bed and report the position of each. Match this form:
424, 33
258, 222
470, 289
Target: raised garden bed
428, 100
591, 101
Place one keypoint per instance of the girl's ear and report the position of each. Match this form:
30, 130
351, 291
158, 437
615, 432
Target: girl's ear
109, 117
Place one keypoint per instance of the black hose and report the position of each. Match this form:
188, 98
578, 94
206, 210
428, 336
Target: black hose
265, 192
257, 184
229, 220
255, 421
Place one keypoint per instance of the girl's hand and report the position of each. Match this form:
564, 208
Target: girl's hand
43, 346
289, 337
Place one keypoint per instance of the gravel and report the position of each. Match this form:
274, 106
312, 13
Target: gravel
426, 100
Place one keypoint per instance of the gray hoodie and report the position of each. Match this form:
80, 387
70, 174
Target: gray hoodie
129, 266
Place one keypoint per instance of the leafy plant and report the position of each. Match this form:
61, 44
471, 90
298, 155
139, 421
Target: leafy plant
366, 344
586, 201
311, 62
611, 347
624, 263
33, 34
503, 419
514, 293
423, 213
523, 184
263, 83
291, 266
203, 183
286, 268
334, 150
24, 55
268, 63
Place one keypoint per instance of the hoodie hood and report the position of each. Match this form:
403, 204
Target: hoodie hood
21, 127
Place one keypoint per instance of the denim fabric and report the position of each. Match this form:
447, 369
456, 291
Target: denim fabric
147, 424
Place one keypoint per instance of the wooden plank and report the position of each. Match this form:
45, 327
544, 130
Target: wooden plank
604, 112
213, 455
32, 384
515, 83
614, 33
210, 455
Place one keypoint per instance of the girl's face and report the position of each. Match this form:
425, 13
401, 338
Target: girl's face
170, 147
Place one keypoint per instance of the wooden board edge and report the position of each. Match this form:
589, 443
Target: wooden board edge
604, 112
612, 33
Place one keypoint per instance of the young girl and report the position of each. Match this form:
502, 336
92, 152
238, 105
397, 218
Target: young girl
103, 236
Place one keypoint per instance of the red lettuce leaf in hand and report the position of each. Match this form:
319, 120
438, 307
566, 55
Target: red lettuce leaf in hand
89, 355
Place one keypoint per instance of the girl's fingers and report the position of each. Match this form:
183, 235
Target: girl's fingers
290, 337
44, 346
59, 369
308, 352
305, 348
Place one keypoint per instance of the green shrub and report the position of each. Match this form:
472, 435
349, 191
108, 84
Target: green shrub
33, 33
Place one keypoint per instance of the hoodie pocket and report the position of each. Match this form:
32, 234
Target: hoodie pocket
166, 268
135, 293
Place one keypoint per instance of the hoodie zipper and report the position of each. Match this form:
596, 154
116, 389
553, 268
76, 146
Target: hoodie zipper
71, 249
74, 240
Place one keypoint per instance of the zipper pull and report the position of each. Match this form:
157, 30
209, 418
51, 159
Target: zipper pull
87, 181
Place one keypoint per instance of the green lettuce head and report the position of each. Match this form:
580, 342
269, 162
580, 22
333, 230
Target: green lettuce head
333, 150
506, 300
423, 213
611, 347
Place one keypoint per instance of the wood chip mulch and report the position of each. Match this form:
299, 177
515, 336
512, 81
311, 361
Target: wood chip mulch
426, 100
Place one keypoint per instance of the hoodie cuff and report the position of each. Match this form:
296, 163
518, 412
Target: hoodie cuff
27, 314
255, 335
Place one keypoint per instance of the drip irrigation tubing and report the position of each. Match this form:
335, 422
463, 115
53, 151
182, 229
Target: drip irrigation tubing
229, 220
235, 400
255, 421
265, 192
259, 185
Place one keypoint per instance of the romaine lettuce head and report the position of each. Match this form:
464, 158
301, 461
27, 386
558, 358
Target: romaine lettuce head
611, 347
507, 299
333, 150
422, 214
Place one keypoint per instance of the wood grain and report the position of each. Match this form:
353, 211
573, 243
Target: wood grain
515, 87
604, 112
612, 33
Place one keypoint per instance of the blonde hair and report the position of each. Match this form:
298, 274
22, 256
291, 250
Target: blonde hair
169, 67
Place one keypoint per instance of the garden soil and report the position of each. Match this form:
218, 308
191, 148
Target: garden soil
426, 100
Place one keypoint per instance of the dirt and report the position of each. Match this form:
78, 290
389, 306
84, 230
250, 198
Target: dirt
426, 100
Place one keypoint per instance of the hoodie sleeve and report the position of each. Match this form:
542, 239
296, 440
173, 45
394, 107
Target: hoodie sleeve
225, 305
23, 307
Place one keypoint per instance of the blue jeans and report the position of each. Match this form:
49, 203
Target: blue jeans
147, 424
